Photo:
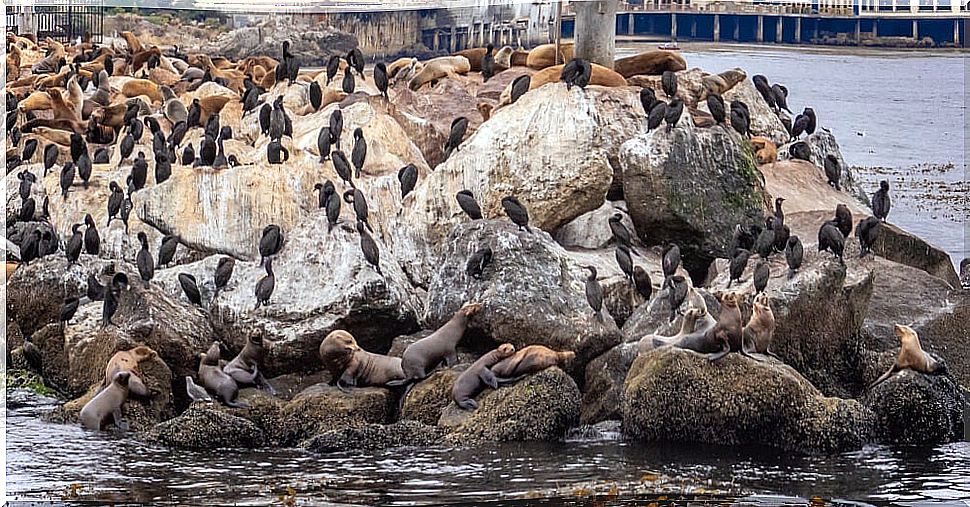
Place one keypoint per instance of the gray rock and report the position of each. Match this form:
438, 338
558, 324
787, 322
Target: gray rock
691, 186
917, 409
539, 407
323, 408
313, 44
203, 427
604, 383
532, 292
677, 395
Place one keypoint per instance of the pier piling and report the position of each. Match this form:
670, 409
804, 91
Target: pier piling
596, 31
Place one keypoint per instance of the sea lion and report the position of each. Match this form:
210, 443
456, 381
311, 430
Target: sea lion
687, 325
649, 63
911, 356
760, 329
503, 57
600, 76
474, 380
106, 406
217, 381
127, 360
474, 56
765, 150
722, 82
137, 87
350, 365
531, 359
403, 68
422, 356
544, 56
728, 331
244, 368
439, 68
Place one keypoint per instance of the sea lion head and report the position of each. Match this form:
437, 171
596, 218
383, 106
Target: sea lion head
505, 350
695, 313
762, 302
121, 378
566, 356
730, 298
211, 356
337, 350
504, 57
470, 309
905, 334
733, 77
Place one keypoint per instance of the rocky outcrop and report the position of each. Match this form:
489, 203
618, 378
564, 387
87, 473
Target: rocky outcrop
913, 408
691, 186
372, 437
906, 248
429, 397
539, 407
736, 401
532, 293
323, 408
312, 44
203, 427
510, 155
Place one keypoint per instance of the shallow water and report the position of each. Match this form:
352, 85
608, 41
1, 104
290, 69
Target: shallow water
870, 91
44, 459
909, 106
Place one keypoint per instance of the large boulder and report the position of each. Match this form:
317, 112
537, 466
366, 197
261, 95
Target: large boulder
678, 395
320, 286
323, 408
532, 292
917, 409
204, 428
539, 407
428, 398
906, 248
692, 186
510, 154
312, 44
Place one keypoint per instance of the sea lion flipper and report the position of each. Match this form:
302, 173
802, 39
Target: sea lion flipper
725, 350
508, 381
451, 359
488, 378
120, 422
346, 380
892, 369
467, 404
261, 381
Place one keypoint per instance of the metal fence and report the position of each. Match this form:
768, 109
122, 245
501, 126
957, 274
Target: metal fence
64, 23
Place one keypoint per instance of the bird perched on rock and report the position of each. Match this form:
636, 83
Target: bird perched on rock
458, 127
478, 262
867, 231
576, 73
881, 202
594, 293
794, 254
468, 204
516, 212
668, 81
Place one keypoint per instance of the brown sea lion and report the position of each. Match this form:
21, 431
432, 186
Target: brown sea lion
36, 101
474, 56
478, 376
519, 58
244, 368
350, 365
127, 360
728, 331
650, 63
690, 335
439, 68
422, 356
760, 329
62, 109
911, 356
134, 45
217, 381
531, 359
722, 82
765, 150
601, 76
544, 56
105, 408
135, 87
503, 57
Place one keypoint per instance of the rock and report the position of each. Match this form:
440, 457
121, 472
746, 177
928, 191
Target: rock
604, 383
620, 296
946, 334
823, 144
509, 154
321, 285
906, 248
916, 409
372, 437
736, 401
265, 411
818, 317
539, 407
591, 230
312, 44
691, 186
204, 427
141, 414
764, 121
451, 98
533, 294
965, 273
428, 398
323, 408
